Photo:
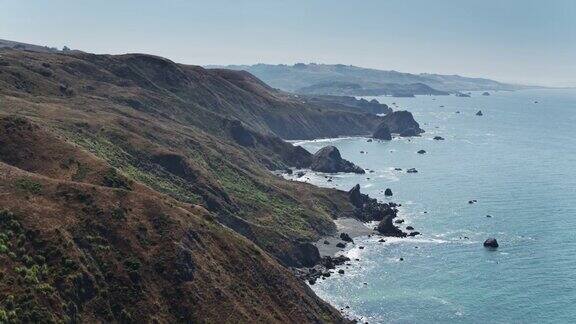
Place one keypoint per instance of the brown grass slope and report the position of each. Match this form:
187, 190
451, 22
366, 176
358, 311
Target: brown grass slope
99, 247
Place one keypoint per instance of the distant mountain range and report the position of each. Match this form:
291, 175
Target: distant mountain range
338, 79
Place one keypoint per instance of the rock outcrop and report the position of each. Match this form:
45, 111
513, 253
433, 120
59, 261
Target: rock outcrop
479, 113
369, 209
401, 122
329, 160
387, 227
382, 133
491, 242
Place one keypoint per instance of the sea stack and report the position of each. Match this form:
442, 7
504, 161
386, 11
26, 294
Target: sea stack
491, 242
400, 122
329, 160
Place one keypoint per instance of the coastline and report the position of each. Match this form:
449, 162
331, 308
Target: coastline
351, 226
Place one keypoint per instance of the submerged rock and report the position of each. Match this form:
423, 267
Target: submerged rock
485, 93
398, 221
409, 228
412, 170
491, 242
329, 160
479, 113
421, 152
438, 138
388, 192
341, 245
414, 233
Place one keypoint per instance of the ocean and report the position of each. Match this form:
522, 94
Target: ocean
517, 161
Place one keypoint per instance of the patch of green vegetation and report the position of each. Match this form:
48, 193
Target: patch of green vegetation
283, 213
163, 183
28, 185
134, 168
26, 272
113, 179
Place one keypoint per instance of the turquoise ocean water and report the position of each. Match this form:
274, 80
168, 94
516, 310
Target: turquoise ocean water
518, 161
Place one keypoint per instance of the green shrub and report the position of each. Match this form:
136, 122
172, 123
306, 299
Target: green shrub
115, 180
29, 185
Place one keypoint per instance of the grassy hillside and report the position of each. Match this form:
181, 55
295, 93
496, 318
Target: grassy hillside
136, 188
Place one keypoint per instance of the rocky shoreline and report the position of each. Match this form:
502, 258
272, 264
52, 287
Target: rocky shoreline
328, 248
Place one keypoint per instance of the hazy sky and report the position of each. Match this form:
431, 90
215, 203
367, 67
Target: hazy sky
524, 41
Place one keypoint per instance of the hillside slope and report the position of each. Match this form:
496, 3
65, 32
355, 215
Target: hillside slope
295, 77
151, 198
165, 89
80, 242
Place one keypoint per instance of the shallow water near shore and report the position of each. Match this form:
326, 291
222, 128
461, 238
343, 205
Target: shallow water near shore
517, 161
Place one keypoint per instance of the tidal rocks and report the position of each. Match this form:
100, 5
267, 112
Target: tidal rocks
491, 242
388, 192
398, 221
414, 233
485, 93
479, 113
383, 133
329, 160
386, 227
421, 152
346, 238
341, 245
464, 95
409, 228
329, 262
326, 242
341, 271
401, 122
412, 170
397, 169
369, 209
369, 140
438, 138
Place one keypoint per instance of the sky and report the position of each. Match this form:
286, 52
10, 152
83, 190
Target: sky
520, 41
